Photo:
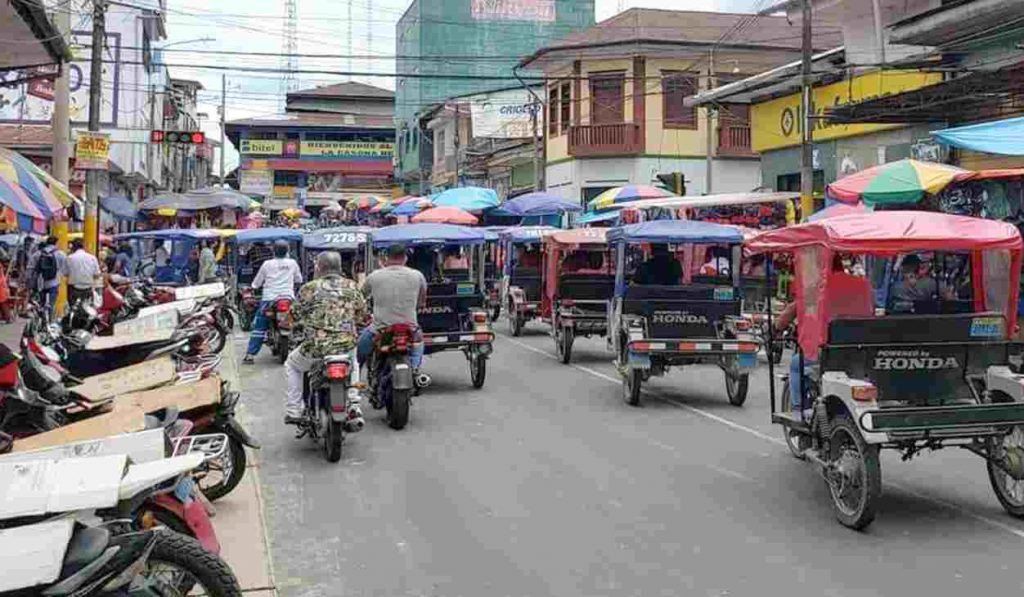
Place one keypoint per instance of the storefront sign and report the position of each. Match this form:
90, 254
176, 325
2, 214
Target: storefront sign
513, 10
777, 123
505, 114
257, 182
260, 147
92, 151
348, 150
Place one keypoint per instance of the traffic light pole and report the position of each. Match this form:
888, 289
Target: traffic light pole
94, 177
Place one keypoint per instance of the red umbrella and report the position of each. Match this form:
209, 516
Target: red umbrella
445, 215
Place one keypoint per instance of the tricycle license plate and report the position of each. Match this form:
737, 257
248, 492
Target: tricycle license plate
987, 327
723, 294
464, 289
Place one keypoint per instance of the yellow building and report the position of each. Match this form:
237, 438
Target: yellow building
614, 99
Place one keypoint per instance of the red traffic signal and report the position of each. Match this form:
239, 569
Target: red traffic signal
180, 137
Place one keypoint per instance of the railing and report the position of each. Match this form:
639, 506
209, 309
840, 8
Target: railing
605, 139
734, 140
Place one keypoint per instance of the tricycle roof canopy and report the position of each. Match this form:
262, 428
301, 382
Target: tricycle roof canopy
170, 234
427, 234
884, 232
709, 200
676, 231
257, 235
341, 238
526, 234
579, 236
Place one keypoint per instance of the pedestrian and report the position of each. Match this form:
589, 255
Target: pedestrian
83, 271
44, 270
207, 263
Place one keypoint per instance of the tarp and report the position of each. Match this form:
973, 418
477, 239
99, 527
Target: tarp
526, 234
170, 234
889, 232
119, 207
676, 231
269, 235
427, 234
579, 236
1003, 137
342, 238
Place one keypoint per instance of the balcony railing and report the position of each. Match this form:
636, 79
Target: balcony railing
621, 138
734, 141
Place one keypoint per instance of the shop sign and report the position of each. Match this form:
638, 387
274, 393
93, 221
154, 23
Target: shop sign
513, 10
777, 123
92, 150
504, 114
260, 147
257, 182
348, 150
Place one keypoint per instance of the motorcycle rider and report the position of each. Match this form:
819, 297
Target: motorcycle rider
329, 310
278, 277
397, 292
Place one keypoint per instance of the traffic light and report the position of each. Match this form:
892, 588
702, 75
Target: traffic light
178, 137
674, 182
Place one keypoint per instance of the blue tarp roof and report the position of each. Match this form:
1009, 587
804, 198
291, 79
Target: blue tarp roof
427, 234
536, 204
526, 234
1004, 137
170, 234
676, 231
257, 235
342, 238
597, 216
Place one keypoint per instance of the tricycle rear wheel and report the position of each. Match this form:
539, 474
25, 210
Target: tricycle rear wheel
1009, 491
855, 484
631, 383
563, 342
478, 370
736, 388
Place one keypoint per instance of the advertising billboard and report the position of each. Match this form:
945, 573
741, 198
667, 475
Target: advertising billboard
542, 11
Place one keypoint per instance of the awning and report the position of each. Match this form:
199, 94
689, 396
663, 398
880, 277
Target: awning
119, 207
1003, 137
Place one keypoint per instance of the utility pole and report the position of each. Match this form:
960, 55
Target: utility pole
61, 126
223, 126
709, 123
536, 145
806, 124
93, 177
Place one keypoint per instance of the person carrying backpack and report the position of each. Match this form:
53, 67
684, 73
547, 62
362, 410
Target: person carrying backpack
45, 268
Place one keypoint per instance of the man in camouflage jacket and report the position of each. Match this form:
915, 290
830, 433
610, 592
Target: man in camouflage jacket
328, 313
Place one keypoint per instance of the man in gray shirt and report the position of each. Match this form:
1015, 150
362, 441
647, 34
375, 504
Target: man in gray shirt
396, 291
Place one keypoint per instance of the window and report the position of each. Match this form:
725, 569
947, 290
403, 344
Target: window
606, 98
553, 111
284, 178
674, 87
566, 106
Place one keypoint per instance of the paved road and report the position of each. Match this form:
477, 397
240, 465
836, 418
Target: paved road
545, 483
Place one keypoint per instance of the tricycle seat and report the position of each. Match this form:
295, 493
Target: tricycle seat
586, 287
530, 283
446, 313
681, 318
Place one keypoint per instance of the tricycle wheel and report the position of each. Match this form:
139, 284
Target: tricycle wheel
631, 382
478, 370
736, 388
564, 342
496, 312
1009, 491
855, 478
795, 441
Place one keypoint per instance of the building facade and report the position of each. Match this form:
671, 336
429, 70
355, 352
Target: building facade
454, 48
333, 143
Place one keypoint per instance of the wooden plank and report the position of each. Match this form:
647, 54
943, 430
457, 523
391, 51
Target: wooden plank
184, 397
113, 423
141, 376
200, 291
155, 322
108, 342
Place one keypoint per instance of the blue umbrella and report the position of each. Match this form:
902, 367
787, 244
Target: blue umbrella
537, 204
592, 217
410, 208
467, 198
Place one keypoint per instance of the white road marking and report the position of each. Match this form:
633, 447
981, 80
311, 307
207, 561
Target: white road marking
751, 431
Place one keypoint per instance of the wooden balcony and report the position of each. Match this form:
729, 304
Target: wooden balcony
734, 141
590, 140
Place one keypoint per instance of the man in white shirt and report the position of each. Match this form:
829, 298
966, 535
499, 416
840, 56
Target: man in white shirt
278, 278
82, 271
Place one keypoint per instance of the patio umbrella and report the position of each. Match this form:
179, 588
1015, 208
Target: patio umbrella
404, 198
43, 188
29, 216
412, 207
364, 202
445, 215
838, 209
630, 192
467, 198
904, 181
382, 207
294, 212
213, 197
537, 204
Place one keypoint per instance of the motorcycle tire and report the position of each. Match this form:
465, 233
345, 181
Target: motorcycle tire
736, 388
478, 371
631, 383
282, 349
221, 341
170, 520
236, 459
564, 345
201, 567
846, 435
245, 322
333, 437
398, 411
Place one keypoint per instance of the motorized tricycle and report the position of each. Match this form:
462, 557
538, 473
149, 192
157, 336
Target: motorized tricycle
521, 274
251, 248
352, 243
169, 257
579, 281
927, 364
672, 308
492, 270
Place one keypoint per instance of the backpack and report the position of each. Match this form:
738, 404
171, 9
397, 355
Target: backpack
47, 266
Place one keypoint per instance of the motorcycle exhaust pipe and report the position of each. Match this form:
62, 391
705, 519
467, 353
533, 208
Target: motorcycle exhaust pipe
355, 425
422, 380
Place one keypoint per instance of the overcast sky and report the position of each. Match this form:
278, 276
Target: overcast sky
322, 28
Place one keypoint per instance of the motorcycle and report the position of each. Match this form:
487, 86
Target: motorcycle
331, 405
391, 379
248, 302
279, 330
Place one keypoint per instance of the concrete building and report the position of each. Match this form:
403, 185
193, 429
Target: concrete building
333, 143
614, 99
454, 48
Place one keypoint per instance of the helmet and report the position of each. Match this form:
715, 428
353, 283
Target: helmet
280, 248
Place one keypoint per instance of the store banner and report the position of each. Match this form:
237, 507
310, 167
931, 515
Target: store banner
503, 114
257, 182
260, 147
92, 151
513, 10
347, 150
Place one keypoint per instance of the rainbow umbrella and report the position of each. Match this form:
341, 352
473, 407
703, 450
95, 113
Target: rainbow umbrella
30, 217
364, 202
21, 172
383, 206
904, 181
630, 192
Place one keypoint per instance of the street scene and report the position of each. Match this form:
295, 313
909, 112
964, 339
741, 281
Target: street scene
511, 298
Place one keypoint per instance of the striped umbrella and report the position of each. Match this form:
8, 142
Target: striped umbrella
364, 202
412, 207
630, 192
22, 173
30, 217
903, 181
63, 196
382, 207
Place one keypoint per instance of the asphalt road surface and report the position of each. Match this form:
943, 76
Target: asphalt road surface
545, 483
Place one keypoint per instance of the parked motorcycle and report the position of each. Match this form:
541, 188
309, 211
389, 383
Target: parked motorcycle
331, 405
391, 381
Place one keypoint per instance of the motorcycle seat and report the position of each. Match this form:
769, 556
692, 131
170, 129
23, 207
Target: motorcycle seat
87, 544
